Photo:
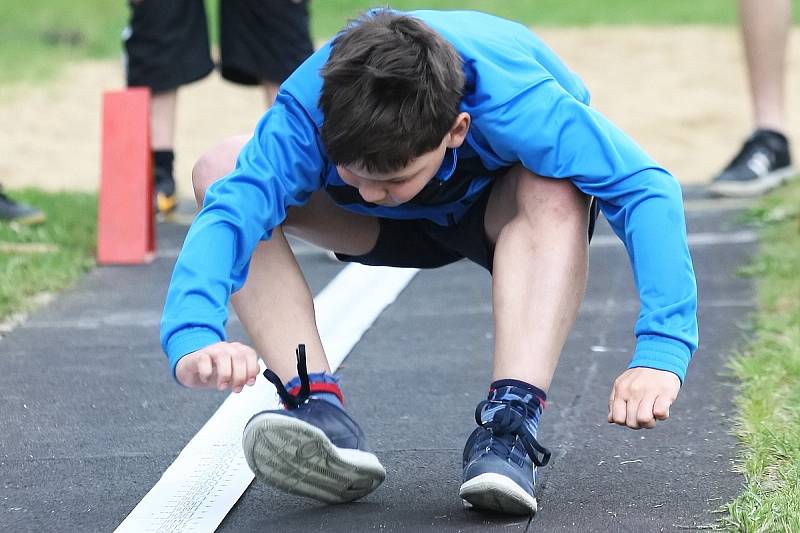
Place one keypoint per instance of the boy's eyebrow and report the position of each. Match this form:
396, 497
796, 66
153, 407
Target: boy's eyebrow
360, 172
393, 178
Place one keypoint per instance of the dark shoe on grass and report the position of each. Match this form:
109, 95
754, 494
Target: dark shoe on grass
11, 211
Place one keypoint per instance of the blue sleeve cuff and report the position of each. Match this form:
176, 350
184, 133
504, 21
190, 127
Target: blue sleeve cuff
661, 353
186, 341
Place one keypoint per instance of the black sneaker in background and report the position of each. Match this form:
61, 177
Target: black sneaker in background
762, 164
11, 211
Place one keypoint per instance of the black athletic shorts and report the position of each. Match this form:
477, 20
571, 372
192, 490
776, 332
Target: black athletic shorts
425, 244
167, 45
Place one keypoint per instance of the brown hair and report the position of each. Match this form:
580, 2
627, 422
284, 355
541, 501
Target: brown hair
391, 91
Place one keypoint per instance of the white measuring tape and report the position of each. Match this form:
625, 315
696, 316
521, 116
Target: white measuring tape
210, 475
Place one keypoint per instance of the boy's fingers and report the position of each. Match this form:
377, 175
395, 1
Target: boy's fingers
222, 363
252, 366
238, 372
631, 413
644, 415
661, 408
203, 367
611, 400
618, 411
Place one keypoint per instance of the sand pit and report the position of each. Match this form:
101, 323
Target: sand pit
679, 91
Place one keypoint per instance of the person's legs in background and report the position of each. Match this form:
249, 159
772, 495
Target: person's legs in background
162, 141
263, 41
764, 161
166, 46
765, 33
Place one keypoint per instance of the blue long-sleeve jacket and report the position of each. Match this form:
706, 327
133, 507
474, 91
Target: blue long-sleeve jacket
527, 108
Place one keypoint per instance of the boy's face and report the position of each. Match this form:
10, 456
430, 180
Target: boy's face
399, 187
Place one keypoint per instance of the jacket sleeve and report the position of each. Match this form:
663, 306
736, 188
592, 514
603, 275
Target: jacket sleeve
555, 135
279, 167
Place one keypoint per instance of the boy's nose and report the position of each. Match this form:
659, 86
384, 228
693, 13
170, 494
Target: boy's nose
371, 193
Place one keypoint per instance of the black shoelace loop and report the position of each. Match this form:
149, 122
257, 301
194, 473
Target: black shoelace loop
507, 425
293, 401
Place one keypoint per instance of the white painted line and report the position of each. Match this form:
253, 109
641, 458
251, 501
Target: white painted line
209, 476
350, 303
738, 237
708, 205
695, 239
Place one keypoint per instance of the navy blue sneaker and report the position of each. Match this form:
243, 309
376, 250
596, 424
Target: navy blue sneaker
501, 457
311, 448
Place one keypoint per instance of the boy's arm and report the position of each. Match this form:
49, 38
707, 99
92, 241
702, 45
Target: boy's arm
280, 167
555, 135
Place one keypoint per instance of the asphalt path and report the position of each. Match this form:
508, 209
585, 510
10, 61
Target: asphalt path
90, 419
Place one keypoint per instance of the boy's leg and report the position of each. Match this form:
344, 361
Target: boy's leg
539, 228
312, 448
166, 46
275, 305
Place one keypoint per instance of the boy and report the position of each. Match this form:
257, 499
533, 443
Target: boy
415, 140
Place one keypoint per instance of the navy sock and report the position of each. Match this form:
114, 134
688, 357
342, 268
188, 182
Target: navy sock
323, 386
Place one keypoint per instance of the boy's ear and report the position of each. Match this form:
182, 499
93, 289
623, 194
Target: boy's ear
457, 134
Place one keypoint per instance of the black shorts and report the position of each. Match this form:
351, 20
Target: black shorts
167, 45
425, 244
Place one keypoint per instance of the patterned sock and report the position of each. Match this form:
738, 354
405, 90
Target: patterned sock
505, 390
323, 386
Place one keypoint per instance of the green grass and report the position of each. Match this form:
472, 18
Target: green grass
38, 36
769, 371
328, 17
70, 228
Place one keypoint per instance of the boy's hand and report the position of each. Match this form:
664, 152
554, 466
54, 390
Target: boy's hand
222, 365
641, 396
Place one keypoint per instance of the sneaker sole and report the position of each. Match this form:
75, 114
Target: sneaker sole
494, 492
297, 457
755, 187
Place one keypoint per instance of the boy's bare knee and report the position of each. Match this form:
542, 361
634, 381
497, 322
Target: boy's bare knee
214, 164
201, 179
540, 198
